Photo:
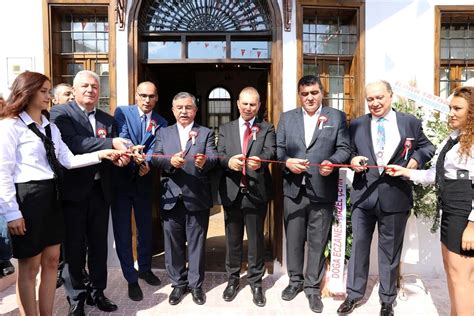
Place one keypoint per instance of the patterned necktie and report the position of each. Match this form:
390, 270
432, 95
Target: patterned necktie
143, 125
439, 183
245, 143
380, 142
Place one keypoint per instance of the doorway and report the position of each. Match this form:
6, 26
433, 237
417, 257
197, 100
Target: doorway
201, 80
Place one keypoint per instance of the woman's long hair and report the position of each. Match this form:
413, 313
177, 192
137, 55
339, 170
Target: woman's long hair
23, 90
466, 141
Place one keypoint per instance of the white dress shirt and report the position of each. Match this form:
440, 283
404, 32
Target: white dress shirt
452, 163
242, 129
23, 159
310, 123
392, 134
184, 134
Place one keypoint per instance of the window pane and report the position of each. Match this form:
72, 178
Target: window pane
164, 50
250, 49
207, 49
219, 93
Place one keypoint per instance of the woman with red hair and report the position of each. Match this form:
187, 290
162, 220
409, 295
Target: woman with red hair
31, 159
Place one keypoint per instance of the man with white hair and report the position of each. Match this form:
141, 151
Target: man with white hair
86, 193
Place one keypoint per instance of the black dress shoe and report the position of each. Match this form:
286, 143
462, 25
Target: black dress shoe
258, 296
290, 292
199, 297
149, 278
59, 281
177, 295
347, 306
6, 268
76, 308
230, 291
102, 302
386, 309
135, 292
315, 303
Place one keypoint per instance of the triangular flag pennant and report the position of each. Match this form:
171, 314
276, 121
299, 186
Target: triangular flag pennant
258, 53
84, 23
242, 51
206, 45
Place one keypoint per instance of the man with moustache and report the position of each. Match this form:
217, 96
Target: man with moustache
379, 138
245, 190
133, 187
86, 193
311, 134
185, 152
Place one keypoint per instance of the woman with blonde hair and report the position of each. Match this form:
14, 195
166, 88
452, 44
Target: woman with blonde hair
453, 175
31, 157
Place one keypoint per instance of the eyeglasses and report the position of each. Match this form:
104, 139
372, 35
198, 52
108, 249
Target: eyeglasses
144, 96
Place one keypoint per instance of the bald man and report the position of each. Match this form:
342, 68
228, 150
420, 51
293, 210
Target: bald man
133, 188
245, 189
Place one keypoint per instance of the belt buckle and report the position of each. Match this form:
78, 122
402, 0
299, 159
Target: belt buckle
244, 190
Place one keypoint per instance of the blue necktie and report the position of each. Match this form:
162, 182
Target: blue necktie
380, 142
143, 125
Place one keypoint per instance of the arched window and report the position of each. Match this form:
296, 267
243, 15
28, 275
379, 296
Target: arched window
205, 29
219, 108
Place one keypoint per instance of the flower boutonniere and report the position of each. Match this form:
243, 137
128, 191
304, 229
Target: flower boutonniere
321, 120
255, 129
407, 147
193, 135
152, 127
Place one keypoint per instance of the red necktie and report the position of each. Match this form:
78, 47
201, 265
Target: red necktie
245, 142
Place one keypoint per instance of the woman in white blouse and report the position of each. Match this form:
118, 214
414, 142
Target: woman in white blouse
454, 180
29, 197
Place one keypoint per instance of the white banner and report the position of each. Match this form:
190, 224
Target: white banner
431, 101
338, 240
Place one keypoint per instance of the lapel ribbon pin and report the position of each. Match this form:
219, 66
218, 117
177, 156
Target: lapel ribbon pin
321, 120
406, 147
193, 135
101, 133
255, 130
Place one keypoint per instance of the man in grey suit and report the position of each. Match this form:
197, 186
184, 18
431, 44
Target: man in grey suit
86, 193
245, 189
380, 138
186, 153
312, 134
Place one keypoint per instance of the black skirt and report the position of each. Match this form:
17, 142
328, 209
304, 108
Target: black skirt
43, 218
452, 228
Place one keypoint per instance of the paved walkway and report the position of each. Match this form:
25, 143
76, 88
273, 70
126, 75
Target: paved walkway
155, 302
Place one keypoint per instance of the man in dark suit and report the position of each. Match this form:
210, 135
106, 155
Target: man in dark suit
133, 188
186, 153
245, 189
86, 193
317, 135
380, 138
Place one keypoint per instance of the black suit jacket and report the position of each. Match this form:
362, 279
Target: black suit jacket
331, 142
264, 147
393, 193
189, 182
77, 133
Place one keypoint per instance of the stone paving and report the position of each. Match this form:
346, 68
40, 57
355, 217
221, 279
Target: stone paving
414, 301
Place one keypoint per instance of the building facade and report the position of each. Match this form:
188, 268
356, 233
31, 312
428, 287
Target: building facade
215, 48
